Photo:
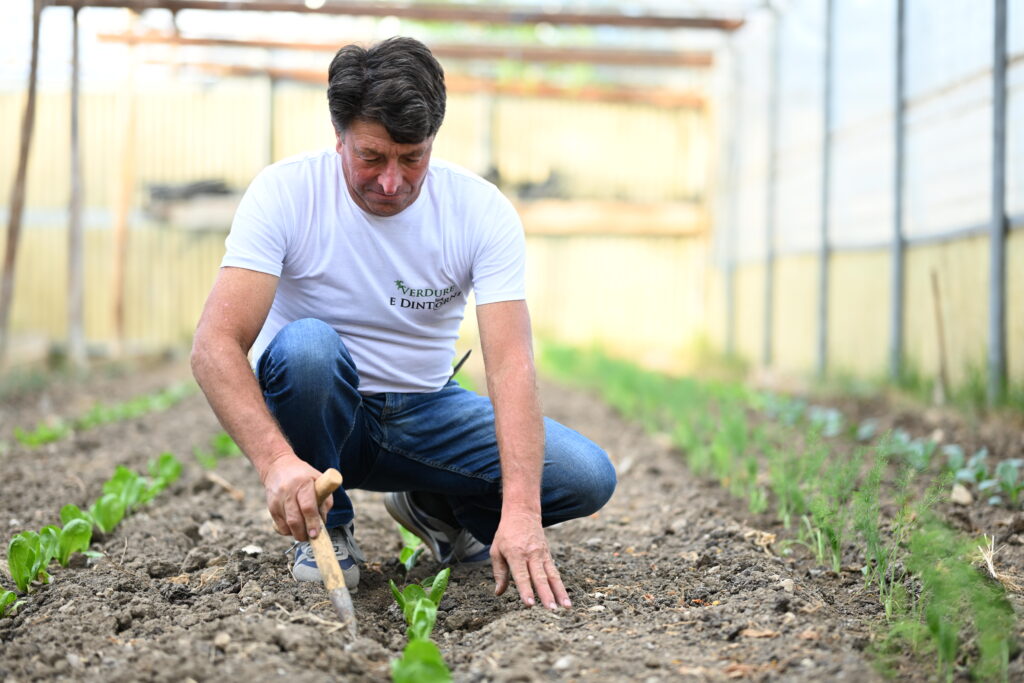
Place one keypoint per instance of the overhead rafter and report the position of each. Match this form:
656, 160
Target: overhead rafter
466, 84
427, 12
528, 53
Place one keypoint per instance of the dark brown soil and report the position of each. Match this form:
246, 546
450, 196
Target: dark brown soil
669, 581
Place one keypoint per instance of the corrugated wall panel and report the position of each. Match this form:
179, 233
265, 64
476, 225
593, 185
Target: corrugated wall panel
858, 325
962, 269
796, 307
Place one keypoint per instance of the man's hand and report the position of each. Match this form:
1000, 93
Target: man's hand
291, 497
519, 547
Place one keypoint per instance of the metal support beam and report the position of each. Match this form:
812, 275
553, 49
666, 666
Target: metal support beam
898, 241
732, 199
774, 103
997, 265
826, 181
427, 12
522, 53
672, 99
76, 241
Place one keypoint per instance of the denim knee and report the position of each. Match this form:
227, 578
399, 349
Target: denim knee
306, 354
596, 481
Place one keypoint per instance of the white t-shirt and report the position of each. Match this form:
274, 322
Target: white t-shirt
394, 288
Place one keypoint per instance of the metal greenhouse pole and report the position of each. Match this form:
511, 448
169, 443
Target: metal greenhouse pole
732, 197
18, 189
826, 176
76, 257
997, 265
773, 172
898, 242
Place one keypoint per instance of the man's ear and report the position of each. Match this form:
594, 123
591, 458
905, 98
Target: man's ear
339, 138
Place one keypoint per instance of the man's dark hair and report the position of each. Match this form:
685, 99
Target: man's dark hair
396, 83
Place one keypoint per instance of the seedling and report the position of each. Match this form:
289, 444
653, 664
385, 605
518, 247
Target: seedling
412, 548
1008, 476
107, 512
955, 457
27, 560
8, 602
414, 592
165, 470
45, 432
75, 537
866, 430
975, 470
827, 421
421, 662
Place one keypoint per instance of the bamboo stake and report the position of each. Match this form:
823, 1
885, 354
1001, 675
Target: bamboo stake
125, 192
18, 190
76, 260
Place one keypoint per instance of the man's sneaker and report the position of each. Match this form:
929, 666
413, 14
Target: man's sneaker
345, 549
450, 545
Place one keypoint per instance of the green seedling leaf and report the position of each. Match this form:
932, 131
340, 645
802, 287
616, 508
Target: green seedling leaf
421, 623
127, 485
8, 602
421, 662
70, 512
22, 553
74, 537
437, 586
107, 512
412, 548
867, 429
955, 457
399, 598
49, 542
224, 446
206, 460
1008, 474
165, 470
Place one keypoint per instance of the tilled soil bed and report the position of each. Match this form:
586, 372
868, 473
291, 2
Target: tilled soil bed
668, 581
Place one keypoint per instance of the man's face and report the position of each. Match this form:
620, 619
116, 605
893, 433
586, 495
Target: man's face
383, 176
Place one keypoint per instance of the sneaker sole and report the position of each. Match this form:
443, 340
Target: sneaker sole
397, 507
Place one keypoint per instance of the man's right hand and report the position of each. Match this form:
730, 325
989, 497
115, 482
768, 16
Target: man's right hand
291, 497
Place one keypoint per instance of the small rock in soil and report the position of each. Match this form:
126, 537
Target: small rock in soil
960, 495
565, 663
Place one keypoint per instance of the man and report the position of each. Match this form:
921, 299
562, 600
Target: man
345, 281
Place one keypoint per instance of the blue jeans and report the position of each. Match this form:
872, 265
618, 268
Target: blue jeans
439, 443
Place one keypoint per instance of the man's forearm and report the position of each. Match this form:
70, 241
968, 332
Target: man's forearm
520, 433
222, 371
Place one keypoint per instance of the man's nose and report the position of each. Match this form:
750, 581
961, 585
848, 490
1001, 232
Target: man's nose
390, 178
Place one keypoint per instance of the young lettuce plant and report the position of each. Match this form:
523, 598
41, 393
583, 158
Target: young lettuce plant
421, 662
27, 560
412, 548
8, 602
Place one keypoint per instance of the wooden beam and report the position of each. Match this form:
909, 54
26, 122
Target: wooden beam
428, 12
673, 99
523, 53
18, 189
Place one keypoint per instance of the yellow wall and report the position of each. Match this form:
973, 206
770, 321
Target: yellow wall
168, 275
641, 297
749, 323
795, 313
1015, 307
963, 275
859, 317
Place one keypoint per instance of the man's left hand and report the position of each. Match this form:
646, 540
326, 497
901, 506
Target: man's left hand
520, 551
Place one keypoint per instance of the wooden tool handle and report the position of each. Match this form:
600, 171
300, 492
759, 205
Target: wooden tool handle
326, 484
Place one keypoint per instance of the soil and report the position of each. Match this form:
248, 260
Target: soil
669, 581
